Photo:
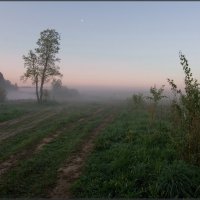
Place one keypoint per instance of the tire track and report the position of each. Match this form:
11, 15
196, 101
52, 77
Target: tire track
71, 171
13, 160
28, 125
21, 119
51, 137
31, 122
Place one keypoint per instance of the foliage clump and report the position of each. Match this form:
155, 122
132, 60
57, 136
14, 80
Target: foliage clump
138, 100
157, 94
186, 107
156, 97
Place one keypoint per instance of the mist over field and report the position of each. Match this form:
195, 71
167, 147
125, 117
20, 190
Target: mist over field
21, 93
86, 94
90, 93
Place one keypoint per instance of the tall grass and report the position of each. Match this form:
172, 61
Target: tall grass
129, 162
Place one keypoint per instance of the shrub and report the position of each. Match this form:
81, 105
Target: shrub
156, 96
138, 100
186, 112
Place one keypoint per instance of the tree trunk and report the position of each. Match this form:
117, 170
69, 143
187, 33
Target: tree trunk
37, 94
41, 91
43, 79
41, 86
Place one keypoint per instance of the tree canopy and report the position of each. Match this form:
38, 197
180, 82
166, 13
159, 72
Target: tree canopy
41, 64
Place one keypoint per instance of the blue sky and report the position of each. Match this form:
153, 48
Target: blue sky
110, 44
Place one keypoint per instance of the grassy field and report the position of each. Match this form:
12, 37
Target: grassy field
90, 150
135, 159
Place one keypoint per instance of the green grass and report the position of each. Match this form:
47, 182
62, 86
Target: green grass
36, 176
132, 160
10, 112
28, 138
133, 157
15, 109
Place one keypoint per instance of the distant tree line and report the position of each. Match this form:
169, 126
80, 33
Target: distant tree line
5, 85
60, 92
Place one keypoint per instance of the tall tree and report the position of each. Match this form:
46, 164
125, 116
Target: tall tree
48, 47
41, 66
32, 70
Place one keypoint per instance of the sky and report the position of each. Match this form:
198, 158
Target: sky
105, 44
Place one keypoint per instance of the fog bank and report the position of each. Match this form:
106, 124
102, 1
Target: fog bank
86, 93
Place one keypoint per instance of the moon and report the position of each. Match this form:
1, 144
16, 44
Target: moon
82, 20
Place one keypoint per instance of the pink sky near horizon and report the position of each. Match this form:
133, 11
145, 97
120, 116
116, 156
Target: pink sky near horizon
76, 74
105, 44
